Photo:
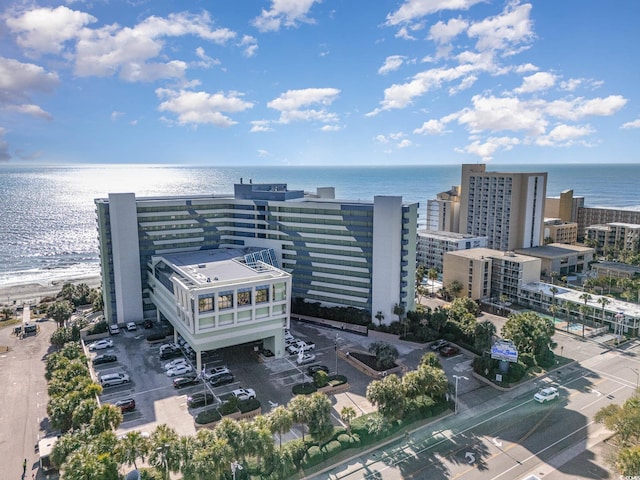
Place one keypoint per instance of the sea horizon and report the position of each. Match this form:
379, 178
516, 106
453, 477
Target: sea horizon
48, 228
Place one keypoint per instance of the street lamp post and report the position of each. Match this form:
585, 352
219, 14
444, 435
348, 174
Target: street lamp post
455, 402
618, 326
235, 466
335, 349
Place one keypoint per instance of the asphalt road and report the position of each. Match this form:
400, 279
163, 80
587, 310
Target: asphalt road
509, 436
23, 395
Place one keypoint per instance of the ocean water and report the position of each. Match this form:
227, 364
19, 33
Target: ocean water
47, 214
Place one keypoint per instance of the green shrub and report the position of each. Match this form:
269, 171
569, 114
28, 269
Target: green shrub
100, 327
348, 441
337, 431
516, 371
304, 389
230, 406
151, 474
314, 456
547, 359
528, 359
332, 448
335, 380
321, 378
208, 416
249, 405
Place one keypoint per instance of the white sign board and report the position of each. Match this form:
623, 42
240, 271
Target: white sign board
504, 350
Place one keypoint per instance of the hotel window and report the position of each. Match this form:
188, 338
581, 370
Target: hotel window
225, 300
262, 294
205, 303
279, 292
244, 296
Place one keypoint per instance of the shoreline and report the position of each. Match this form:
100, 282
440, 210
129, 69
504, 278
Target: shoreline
32, 293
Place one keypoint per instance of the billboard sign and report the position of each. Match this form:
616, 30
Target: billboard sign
504, 350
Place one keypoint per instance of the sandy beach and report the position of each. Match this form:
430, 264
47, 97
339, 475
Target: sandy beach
32, 293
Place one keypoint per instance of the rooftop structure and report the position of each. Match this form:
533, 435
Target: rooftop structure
339, 252
560, 258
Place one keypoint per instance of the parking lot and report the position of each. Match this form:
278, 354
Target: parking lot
158, 402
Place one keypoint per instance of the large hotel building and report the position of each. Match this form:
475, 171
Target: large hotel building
337, 252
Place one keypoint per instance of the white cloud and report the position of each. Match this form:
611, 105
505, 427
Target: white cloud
115, 115
502, 114
445, 32
466, 83
412, 10
571, 84
564, 135
487, 149
536, 82
261, 126
45, 30
250, 45
292, 105
578, 108
403, 33
632, 124
129, 51
264, 153
391, 63
404, 143
510, 28
202, 107
30, 109
526, 68
330, 128
287, 13
431, 127
18, 81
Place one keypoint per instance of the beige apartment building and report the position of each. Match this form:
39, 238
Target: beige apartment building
614, 236
559, 231
564, 207
485, 273
432, 245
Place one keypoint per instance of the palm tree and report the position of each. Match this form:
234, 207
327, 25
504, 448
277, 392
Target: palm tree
131, 447
106, 418
420, 273
280, 421
60, 312
604, 301
7, 313
385, 353
455, 288
586, 297
299, 407
398, 310
380, 317
348, 414
164, 451
432, 274
553, 276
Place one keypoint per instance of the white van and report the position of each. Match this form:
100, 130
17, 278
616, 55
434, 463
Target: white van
111, 379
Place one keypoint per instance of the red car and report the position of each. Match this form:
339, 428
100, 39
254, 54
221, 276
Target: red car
449, 351
126, 405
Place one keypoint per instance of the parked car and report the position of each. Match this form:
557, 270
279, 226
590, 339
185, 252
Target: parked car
179, 370
167, 354
438, 344
126, 404
222, 379
112, 379
215, 371
114, 329
186, 381
200, 400
306, 358
175, 363
101, 344
131, 326
100, 359
244, 393
546, 395
313, 369
287, 335
449, 351
295, 348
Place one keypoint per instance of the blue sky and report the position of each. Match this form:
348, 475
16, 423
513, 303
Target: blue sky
309, 82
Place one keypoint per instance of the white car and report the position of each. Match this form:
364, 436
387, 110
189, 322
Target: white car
179, 370
287, 335
131, 326
306, 358
215, 372
546, 395
244, 393
175, 363
101, 344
